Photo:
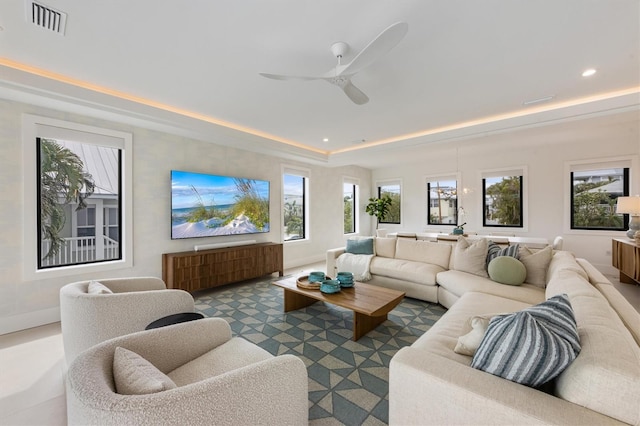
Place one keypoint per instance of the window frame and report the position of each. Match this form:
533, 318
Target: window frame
33, 127
392, 182
305, 175
356, 202
522, 173
444, 177
632, 162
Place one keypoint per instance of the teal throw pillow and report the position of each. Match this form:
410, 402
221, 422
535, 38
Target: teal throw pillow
532, 346
507, 270
360, 246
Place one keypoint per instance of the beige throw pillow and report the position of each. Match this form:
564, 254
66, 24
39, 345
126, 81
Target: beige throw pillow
537, 264
134, 375
473, 329
471, 258
96, 287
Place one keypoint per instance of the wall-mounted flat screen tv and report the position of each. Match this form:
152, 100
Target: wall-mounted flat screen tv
204, 205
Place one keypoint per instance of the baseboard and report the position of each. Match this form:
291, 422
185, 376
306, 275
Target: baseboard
27, 320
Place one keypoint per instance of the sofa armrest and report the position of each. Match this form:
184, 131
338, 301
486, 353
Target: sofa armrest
425, 388
332, 256
121, 285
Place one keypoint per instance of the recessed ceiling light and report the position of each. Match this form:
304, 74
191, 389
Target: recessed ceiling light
589, 72
325, 140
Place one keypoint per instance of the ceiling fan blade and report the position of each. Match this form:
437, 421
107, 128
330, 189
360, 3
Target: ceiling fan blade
383, 43
355, 94
288, 77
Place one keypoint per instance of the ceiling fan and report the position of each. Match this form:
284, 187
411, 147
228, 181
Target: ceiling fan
341, 75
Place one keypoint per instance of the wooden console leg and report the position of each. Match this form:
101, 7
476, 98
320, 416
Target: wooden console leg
362, 324
293, 301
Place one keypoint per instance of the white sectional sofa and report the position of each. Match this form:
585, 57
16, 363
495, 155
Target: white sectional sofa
431, 384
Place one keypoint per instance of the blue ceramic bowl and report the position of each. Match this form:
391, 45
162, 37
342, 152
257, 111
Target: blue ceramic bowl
330, 286
345, 278
316, 276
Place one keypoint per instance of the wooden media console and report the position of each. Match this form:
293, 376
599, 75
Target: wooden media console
200, 270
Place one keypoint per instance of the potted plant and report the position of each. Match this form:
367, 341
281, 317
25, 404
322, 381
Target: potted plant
378, 207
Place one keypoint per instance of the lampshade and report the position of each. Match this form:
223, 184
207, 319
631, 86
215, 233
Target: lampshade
629, 205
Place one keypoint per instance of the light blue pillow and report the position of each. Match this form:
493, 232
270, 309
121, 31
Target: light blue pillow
360, 246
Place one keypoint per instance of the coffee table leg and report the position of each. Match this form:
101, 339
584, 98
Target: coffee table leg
362, 324
293, 301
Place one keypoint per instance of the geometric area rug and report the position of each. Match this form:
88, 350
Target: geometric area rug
348, 381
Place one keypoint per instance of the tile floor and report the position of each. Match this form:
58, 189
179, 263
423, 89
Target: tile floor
32, 370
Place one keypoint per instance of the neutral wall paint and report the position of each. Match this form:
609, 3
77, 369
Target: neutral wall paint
25, 304
544, 151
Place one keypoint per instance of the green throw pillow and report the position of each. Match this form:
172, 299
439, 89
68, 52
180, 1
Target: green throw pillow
507, 270
360, 246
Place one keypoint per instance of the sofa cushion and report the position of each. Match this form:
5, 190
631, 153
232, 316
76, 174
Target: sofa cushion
134, 375
474, 330
386, 247
537, 264
605, 377
532, 346
471, 257
423, 251
459, 283
494, 250
233, 354
360, 246
406, 270
507, 270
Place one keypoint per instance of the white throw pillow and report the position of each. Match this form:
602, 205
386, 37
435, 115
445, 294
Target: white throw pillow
473, 329
537, 264
134, 375
96, 287
471, 258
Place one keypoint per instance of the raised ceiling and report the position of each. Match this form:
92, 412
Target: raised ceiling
464, 68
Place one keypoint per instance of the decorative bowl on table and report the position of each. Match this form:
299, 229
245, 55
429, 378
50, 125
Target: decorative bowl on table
316, 277
345, 278
303, 282
330, 286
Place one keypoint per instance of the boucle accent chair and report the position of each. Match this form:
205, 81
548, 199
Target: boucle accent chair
88, 319
220, 380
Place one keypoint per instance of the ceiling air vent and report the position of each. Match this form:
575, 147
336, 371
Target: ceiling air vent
45, 17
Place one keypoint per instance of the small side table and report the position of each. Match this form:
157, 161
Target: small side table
174, 319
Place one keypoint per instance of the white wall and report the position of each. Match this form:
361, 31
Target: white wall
544, 151
25, 304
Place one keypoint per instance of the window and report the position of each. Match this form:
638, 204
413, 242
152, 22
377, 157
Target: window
295, 184
350, 197
81, 205
392, 189
442, 201
75, 181
594, 193
503, 200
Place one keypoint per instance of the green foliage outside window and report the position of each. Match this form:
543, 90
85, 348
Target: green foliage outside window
503, 202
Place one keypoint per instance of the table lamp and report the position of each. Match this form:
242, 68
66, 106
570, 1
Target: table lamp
630, 206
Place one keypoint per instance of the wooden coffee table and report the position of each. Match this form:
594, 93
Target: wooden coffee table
370, 304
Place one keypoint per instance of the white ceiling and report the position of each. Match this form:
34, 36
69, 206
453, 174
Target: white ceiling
464, 68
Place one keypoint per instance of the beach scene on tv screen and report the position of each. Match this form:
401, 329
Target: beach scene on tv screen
204, 205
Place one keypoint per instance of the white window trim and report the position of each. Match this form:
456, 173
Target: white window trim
507, 171
396, 181
356, 204
30, 126
457, 176
631, 161
306, 173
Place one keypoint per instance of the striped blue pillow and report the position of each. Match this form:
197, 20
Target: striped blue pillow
532, 346
495, 250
